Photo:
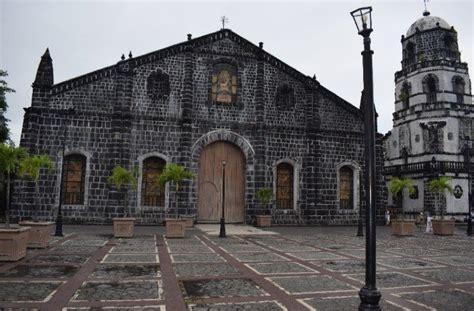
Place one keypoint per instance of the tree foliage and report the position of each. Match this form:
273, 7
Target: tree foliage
396, 187
10, 160
177, 174
4, 89
122, 178
31, 167
440, 185
264, 195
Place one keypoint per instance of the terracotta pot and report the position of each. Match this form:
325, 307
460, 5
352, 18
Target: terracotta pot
13, 243
175, 228
264, 221
443, 227
189, 219
38, 236
403, 227
123, 227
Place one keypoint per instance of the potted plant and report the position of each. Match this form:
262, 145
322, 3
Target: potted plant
14, 238
40, 232
402, 227
264, 196
123, 179
175, 227
442, 226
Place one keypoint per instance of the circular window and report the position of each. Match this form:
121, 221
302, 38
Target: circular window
457, 191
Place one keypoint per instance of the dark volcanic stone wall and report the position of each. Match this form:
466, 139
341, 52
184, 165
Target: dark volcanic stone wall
115, 121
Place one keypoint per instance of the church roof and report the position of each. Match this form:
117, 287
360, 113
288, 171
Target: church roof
427, 22
197, 42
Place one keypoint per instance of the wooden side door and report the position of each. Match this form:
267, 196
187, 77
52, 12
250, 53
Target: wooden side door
210, 183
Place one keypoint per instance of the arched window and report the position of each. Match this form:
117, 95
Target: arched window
224, 84
410, 53
405, 95
152, 193
285, 97
430, 87
158, 85
346, 187
73, 179
449, 43
284, 186
458, 88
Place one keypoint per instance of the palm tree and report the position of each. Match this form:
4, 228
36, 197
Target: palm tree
31, 167
440, 185
177, 174
265, 196
10, 159
396, 187
122, 178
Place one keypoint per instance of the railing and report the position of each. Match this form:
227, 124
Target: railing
426, 167
410, 67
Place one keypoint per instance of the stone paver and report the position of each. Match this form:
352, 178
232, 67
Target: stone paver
221, 288
350, 303
198, 257
449, 275
126, 271
204, 269
55, 258
40, 271
316, 256
127, 290
131, 258
280, 268
446, 300
314, 267
27, 291
311, 284
258, 257
392, 279
250, 306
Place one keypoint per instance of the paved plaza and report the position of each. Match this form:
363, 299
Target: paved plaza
298, 268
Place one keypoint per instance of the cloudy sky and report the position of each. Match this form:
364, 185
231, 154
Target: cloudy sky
315, 37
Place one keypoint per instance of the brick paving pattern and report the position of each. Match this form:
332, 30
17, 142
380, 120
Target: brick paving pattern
298, 269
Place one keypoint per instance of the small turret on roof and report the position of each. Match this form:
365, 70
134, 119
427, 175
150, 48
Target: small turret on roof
44, 74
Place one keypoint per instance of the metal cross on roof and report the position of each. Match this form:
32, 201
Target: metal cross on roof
224, 20
425, 2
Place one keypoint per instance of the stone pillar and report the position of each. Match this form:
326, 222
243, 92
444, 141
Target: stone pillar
185, 140
119, 152
259, 132
309, 166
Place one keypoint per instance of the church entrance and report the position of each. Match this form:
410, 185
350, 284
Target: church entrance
210, 183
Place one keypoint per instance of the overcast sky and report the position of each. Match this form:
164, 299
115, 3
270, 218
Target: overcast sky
315, 37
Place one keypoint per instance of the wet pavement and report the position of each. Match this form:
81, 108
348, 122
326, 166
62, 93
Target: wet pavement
299, 268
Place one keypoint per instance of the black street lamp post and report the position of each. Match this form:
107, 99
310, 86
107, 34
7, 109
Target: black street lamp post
222, 230
467, 159
369, 295
59, 216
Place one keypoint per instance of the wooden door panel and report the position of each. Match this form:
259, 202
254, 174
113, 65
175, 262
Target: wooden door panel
210, 183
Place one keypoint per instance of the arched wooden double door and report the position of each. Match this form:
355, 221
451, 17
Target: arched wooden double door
210, 183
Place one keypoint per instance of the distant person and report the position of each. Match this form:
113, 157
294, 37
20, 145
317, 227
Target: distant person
429, 224
387, 217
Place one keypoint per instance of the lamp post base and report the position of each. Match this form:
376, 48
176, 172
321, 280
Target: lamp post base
222, 230
59, 226
360, 231
469, 226
369, 298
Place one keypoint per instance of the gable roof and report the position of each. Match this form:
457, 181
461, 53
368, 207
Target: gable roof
197, 42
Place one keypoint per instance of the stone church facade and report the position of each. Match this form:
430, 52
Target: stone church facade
197, 103
433, 122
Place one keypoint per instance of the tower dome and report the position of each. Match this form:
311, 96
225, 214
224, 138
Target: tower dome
427, 22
